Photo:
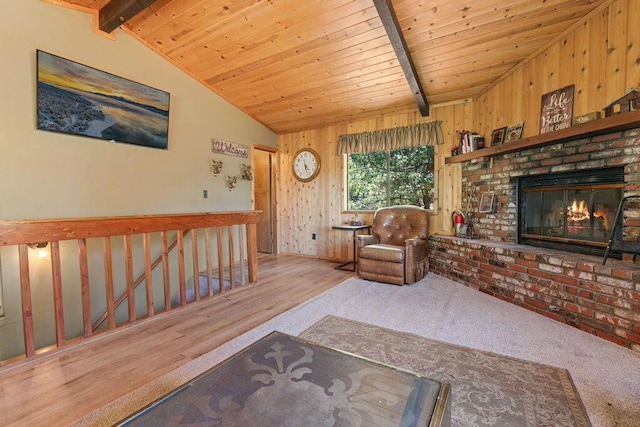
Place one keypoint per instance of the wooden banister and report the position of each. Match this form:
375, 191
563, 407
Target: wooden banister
140, 279
23, 233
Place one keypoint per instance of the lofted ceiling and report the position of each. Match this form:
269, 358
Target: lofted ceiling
300, 64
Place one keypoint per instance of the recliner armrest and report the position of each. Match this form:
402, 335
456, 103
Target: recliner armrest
415, 242
366, 239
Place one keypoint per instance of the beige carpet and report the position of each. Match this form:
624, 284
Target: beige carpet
486, 388
607, 376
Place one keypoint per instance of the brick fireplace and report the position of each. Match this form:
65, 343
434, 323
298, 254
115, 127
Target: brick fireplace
570, 287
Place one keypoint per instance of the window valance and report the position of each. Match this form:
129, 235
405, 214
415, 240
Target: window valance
392, 139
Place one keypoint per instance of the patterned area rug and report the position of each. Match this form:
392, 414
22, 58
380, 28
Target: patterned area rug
486, 388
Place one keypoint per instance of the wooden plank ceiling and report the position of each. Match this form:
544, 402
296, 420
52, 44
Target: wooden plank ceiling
294, 64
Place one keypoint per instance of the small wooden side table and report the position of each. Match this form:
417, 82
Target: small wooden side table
354, 229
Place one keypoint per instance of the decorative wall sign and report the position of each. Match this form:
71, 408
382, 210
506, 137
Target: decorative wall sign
229, 148
497, 136
80, 100
514, 132
556, 109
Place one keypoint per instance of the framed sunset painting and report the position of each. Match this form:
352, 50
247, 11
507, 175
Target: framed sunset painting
81, 100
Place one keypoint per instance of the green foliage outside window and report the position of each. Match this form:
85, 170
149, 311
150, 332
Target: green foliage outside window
387, 178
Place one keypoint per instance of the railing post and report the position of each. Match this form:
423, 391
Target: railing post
84, 285
252, 252
56, 277
27, 310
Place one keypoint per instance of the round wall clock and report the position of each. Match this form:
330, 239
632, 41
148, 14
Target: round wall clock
306, 164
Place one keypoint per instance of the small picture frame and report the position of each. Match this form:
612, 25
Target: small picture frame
497, 136
514, 132
486, 202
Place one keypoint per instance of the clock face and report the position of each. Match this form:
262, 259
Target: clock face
306, 164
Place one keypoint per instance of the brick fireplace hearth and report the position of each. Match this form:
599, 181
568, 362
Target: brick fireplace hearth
568, 287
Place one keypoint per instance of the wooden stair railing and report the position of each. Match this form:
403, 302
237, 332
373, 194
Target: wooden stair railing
24, 233
140, 279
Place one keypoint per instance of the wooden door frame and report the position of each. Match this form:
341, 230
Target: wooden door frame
274, 194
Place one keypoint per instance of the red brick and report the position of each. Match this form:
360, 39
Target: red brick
588, 304
518, 268
579, 310
539, 273
554, 316
597, 287
538, 289
487, 267
536, 303
628, 335
615, 302
617, 283
613, 338
585, 294
616, 321
526, 263
585, 267
566, 280
571, 290
624, 274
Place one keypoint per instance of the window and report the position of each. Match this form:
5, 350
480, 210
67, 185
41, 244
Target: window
387, 178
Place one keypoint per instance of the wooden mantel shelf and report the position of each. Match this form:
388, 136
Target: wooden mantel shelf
616, 123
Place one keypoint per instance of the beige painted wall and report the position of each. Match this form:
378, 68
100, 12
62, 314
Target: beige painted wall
50, 175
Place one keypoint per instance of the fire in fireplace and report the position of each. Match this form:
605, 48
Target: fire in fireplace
572, 211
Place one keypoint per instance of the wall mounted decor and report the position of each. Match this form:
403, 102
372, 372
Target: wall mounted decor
231, 182
497, 136
628, 102
247, 173
306, 164
514, 132
80, 100
229, 148
486, 202
216, 166
556, 109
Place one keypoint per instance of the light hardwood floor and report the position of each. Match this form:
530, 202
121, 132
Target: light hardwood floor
59, 388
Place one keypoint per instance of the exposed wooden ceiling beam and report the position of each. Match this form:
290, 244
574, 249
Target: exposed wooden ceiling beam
117, 12
392, 26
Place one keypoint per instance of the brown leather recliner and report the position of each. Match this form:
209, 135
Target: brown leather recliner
396, 251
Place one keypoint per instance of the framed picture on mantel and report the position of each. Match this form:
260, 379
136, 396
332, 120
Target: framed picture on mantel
556, 111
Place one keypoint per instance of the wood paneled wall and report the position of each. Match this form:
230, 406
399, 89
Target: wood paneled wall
313, 207
600, 55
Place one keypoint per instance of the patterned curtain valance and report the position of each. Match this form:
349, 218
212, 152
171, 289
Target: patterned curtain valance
392, 139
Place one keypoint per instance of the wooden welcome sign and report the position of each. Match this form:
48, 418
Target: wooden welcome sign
230, 148
556, 111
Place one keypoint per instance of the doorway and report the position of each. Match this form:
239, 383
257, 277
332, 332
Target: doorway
264, 197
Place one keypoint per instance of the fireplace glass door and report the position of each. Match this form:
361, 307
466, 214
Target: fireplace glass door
569, 212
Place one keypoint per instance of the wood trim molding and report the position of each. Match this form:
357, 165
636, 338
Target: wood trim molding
617, 123
24, 232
